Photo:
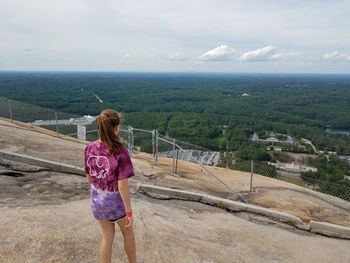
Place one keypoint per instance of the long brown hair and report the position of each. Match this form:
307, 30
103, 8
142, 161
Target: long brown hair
107, 121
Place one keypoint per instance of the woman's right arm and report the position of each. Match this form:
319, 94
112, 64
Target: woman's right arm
123, 188
125, 171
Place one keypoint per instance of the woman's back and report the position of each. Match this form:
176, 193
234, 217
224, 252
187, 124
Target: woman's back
107, 168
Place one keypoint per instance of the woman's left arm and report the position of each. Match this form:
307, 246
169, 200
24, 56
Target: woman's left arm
88, 176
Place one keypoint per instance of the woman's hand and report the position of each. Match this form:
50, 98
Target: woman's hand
129, 218
130, 221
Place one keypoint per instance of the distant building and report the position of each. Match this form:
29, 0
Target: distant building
345, 158
290, 140
327, 152
292, 168
272, 139
275, 148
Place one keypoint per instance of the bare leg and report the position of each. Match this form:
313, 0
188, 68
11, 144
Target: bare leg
129, 240
107, 231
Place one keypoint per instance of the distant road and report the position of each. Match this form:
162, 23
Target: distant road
85, 120
310, 143
98, 98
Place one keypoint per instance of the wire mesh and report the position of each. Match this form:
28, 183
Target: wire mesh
5, 108
142, 141
186, 151
171, 149
304, 180
338, 190
60, 122
24, 112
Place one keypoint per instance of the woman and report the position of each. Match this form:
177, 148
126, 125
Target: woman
108, 167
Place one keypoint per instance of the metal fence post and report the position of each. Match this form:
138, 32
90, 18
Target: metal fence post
156, 150
177, 158
132, 139
174, 146
56, 119
153, 142
251, 180
10, 110
129, 139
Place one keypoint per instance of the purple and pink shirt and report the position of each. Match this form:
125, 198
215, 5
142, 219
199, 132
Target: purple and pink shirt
107, 168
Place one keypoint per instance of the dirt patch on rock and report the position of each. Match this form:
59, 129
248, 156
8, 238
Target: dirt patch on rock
23, 189
302, 205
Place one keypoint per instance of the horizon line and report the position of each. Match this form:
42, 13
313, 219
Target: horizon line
173, 72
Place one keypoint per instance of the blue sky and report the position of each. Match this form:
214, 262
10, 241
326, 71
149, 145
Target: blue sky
310, 36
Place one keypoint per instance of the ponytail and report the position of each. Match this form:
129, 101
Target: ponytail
107, 121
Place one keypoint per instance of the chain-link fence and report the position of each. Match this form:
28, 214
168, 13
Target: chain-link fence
169, 152
55, 120
247, 179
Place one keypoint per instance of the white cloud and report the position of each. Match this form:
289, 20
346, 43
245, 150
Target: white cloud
286, 56
126, 55
220, 53
261, 54
336, 56
80, 29
269, 53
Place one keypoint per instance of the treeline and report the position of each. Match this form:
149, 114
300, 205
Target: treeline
329, 177
329, 168
208, 110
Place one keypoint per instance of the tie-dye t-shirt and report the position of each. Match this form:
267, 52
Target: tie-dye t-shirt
106, 168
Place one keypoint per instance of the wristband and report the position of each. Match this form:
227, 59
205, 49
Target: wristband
129, 213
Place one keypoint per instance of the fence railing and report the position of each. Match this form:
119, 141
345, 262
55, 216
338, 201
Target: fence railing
174, 150
169, 152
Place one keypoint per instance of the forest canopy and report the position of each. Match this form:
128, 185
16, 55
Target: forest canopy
217, 111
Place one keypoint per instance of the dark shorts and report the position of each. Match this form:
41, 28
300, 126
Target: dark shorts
106, 205
115, 220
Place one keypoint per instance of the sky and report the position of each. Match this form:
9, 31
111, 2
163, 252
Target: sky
231, 36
